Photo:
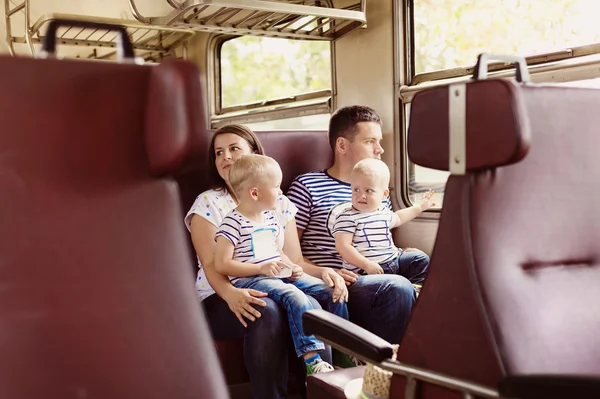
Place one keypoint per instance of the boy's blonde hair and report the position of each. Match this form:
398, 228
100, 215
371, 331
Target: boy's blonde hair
374, 168
251, 169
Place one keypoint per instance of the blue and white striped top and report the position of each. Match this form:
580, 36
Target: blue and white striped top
319, 199
254, 242
371, 234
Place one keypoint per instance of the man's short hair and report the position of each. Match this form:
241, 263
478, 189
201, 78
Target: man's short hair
344, 120
374, 168
250, 169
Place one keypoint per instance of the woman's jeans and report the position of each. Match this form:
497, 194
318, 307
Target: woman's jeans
292, 295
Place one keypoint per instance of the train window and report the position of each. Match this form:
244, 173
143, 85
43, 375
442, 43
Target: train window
451, 33
265, 79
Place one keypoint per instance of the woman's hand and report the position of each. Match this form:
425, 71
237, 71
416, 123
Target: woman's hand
240, 302
333, 279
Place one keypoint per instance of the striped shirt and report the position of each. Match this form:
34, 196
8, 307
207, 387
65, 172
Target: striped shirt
371, 234
254, 242
319, 199
214, 205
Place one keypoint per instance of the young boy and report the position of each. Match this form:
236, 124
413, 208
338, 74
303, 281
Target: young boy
362, 231
249, 246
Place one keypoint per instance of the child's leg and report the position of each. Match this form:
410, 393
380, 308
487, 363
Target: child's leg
294, 302
413, 265
316, 288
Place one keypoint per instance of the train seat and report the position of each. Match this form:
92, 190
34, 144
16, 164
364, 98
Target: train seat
96, 300
297, 152
515, 263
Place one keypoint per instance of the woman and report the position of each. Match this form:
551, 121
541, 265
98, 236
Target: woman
228, 311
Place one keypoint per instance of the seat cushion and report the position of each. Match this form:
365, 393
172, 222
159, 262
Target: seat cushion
331, 385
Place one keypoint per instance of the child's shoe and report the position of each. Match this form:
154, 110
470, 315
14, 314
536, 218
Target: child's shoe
344, 361
318, 366
417, 288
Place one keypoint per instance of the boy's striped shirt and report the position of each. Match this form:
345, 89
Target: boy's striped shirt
319, 199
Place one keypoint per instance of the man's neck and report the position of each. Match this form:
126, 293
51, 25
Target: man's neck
340, 171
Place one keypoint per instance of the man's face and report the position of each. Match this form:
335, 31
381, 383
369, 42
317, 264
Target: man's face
366, 142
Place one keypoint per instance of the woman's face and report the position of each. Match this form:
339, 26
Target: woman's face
228, 148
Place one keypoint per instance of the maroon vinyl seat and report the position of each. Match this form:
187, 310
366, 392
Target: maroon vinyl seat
96, 300
297, 152
515, 264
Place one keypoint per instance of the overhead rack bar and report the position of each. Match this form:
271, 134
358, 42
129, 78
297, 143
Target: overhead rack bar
304, 20
152, 43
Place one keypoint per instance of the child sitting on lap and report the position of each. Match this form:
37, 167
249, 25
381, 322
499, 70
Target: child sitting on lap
362, 232
249, 251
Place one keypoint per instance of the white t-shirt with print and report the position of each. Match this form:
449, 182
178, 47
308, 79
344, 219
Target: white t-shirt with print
214, 205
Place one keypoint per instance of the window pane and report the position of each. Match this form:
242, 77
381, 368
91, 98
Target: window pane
259, 68
451, 33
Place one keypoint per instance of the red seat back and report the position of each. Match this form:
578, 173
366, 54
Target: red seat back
512, 272
97, 301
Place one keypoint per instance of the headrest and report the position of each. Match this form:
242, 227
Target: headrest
175, 117
491, 115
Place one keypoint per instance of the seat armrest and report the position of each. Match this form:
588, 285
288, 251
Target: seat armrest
549, 387
346, 336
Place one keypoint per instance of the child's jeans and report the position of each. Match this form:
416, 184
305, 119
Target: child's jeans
291, 296
413, 265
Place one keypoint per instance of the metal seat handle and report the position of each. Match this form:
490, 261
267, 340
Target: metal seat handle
481, 68
124, 47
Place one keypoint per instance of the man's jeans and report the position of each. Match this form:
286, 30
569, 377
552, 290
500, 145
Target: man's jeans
413, 265
292, 296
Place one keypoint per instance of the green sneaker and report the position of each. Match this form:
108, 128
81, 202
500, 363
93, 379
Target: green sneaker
417, 288
344, 361
318, 366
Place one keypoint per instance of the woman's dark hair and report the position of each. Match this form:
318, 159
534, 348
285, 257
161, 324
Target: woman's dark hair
242, 131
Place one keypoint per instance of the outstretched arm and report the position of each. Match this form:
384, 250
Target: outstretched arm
225, 264
408, 214
343, 244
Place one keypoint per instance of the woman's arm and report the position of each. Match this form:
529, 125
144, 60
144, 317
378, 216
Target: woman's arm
291, 248
239, 300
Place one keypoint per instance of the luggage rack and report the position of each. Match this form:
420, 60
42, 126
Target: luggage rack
152, 43
307, 20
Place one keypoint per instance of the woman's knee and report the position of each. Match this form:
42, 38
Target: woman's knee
272, 320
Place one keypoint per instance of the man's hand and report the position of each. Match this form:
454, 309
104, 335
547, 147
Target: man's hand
334, 280
373, 268
240, 302
426, 201
348, 276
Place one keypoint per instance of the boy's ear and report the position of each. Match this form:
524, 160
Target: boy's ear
386, 192
341, 145
253, 191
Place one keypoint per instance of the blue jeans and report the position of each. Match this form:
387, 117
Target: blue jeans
268, 370
292, 295
381, 303
412, 265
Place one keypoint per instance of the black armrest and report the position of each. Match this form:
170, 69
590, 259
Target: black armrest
346, 336
549, 387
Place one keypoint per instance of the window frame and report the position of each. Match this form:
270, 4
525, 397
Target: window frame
297, 105
564, 65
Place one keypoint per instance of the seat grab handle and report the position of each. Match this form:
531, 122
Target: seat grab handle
481, 68
124, 47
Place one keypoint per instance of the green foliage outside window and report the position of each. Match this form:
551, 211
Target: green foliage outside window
259, 68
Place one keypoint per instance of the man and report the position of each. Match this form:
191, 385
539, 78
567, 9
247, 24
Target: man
381, 303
